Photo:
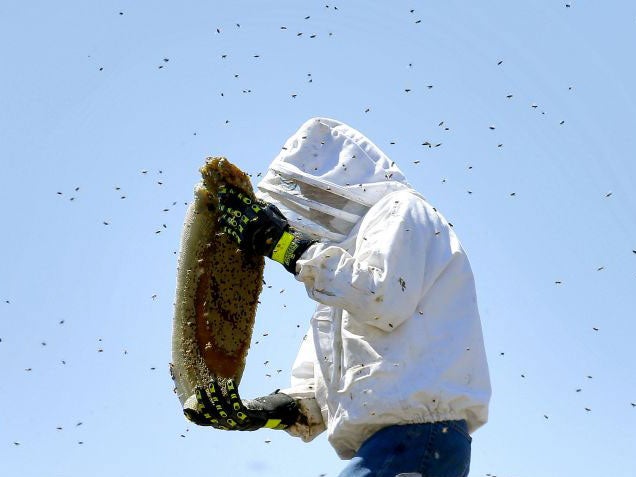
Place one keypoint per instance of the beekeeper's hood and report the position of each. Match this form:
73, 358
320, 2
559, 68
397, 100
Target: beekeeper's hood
326, 178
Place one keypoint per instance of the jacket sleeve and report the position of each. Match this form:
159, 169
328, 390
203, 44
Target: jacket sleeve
302, 389
402, 245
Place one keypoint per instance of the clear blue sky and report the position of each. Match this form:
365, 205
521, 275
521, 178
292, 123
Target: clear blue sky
108, 108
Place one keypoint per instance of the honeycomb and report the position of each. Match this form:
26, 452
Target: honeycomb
217, 293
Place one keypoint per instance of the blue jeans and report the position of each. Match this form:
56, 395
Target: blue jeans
437, 449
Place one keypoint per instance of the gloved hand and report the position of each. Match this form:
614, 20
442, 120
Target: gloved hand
276, 411
259, 227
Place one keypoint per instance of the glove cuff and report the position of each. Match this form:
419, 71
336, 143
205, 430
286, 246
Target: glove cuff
278, 410
289, 248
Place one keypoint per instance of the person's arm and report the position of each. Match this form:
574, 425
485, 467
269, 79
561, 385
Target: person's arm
258, 227
402, 247
294, 409
223, 409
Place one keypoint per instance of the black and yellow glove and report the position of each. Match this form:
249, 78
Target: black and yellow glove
259, 227
228, 412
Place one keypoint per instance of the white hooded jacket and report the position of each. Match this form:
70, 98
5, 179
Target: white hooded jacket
396, 336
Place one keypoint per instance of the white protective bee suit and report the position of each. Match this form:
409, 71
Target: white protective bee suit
396, 336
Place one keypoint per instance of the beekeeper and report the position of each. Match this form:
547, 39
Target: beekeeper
393, 366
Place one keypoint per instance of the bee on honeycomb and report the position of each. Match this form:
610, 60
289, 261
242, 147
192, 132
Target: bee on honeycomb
217, 289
